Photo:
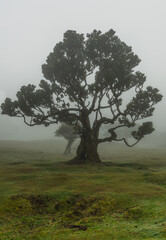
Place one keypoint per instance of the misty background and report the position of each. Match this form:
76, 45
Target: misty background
30, 30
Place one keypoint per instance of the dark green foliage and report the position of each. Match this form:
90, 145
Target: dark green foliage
68, 95
143, 130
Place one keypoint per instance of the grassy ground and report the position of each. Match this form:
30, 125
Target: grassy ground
43, 198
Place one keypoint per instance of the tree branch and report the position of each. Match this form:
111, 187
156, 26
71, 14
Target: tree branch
129, 145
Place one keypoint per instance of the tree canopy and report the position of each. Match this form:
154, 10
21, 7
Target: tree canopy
88, 81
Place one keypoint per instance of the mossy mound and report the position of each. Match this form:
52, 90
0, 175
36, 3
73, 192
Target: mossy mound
74, 209
16, 206
134, 213
22, 205
78, 208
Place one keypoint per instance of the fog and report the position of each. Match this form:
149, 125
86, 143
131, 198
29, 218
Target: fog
30, 29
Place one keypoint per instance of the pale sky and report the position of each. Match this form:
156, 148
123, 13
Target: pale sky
29, 30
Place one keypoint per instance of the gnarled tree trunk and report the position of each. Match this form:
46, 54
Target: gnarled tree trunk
86, 151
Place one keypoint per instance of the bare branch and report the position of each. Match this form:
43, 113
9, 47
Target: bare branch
129, 145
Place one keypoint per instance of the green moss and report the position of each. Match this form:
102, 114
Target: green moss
98, 208
135, 213
16, 206
86, 208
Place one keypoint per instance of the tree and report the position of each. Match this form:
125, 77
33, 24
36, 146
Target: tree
68, 94
69, 133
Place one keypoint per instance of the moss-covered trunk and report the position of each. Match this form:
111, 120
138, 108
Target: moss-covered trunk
86, 151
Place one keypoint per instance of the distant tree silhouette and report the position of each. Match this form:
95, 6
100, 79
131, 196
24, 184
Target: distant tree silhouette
69, 133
